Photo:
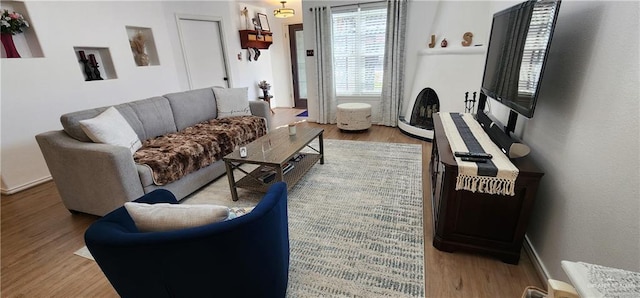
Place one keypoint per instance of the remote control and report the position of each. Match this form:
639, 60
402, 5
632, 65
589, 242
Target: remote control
243, 151
473, 159
473, 154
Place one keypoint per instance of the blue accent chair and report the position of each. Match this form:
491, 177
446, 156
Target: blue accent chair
243, 257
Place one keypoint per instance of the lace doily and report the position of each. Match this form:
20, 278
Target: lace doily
614, 282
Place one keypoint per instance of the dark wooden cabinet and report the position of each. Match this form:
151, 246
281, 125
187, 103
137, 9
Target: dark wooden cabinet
479, 222
251, 39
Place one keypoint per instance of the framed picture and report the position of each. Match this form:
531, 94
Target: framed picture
264, 22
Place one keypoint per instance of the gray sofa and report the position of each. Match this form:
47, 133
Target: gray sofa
97, 178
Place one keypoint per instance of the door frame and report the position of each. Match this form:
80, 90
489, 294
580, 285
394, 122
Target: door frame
293, 54
223, 46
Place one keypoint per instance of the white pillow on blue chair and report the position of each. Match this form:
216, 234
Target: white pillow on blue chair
169, 217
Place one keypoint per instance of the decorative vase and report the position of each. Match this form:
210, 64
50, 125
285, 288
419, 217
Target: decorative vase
9, 46
265, 93
142, 59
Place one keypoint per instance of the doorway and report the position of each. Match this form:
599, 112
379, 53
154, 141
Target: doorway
203, 50
298, 69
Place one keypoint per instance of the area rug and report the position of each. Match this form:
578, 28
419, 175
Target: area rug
303, 114
355, 222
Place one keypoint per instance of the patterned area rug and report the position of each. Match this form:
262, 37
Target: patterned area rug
355, 223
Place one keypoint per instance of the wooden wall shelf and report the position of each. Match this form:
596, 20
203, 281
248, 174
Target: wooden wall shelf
251, 39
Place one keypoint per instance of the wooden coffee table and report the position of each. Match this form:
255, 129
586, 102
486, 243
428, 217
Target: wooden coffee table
271, 152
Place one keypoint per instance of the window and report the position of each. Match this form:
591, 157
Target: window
358, 50
535, 47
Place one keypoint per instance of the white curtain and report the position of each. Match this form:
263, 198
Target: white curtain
327, 103
393, 82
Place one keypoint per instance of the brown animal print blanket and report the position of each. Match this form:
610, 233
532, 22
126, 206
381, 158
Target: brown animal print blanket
175, 155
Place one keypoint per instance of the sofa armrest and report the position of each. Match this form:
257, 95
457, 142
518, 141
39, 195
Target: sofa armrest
91, 177
261, 109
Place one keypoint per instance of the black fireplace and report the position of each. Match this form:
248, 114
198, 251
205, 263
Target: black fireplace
425, 106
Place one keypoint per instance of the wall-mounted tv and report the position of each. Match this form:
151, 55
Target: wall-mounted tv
517, 51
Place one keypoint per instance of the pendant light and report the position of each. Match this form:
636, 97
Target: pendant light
283, 12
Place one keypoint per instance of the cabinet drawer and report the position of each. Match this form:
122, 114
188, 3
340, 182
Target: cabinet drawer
251, 39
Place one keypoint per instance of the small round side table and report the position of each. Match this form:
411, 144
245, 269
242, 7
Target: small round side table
268, 100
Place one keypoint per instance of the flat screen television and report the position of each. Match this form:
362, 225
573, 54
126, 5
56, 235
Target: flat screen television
517, 51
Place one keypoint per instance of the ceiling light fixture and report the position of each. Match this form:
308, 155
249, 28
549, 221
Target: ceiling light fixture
283, 12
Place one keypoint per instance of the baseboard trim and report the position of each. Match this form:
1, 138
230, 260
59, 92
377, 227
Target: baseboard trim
541, 270
10, 191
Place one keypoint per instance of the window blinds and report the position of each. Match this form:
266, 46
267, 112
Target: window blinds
535, 46
358, 50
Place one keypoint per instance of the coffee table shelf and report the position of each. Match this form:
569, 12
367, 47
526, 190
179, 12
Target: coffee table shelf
291, 178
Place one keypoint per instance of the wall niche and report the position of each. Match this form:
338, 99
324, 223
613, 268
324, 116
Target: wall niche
143, 46
26, 43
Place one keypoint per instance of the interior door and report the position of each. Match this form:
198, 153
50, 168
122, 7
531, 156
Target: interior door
296, 46
203, 51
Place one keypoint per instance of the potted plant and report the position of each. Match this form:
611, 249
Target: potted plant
265, 88
11, 24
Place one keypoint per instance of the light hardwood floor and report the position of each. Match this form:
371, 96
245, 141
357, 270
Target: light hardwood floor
39, 237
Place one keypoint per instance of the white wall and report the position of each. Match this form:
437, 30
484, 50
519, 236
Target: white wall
242, 72
584, 135
36, 91
453, 70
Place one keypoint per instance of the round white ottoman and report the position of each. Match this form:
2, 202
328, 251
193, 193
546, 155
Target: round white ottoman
354, 116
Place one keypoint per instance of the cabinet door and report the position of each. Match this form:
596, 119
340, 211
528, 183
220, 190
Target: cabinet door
437, 190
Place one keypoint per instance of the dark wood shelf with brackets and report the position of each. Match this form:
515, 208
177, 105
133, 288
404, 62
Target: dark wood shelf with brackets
251, 39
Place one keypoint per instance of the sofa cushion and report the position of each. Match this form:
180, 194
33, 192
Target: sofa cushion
161, 217
232, 102
111, 128
71, 121
175, 155
191, 107
155, 115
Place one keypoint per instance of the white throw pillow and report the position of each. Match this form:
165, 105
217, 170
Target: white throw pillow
232, 102
111, 128
168, 217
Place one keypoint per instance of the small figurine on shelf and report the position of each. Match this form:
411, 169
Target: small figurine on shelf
265, 88
88, 72
444, 43
467, 39
94, 64
137, 46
